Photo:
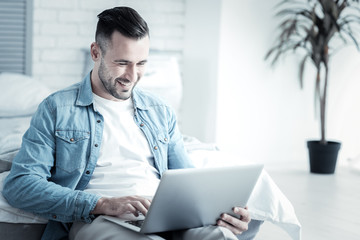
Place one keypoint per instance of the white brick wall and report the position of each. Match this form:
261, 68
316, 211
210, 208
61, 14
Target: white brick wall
64, 29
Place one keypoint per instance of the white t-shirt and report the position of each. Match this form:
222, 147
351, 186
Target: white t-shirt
126, 165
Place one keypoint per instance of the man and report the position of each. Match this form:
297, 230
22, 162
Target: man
99, 146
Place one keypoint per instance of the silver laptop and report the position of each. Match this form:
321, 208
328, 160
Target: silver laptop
190, 198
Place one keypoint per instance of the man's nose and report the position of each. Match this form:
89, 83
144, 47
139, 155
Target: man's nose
131, 73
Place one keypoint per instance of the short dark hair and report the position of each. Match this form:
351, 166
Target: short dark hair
122, 19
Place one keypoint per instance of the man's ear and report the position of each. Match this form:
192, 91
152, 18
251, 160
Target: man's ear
95, 52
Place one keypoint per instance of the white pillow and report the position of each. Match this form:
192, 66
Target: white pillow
162, 78
11, 132
20, 94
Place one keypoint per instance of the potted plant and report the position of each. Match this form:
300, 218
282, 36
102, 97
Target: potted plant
311, 27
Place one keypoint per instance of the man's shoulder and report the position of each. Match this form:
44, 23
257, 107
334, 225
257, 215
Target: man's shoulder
64, 97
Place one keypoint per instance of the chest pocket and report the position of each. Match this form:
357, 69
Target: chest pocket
71, 149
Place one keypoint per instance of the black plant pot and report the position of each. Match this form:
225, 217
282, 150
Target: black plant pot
323, 157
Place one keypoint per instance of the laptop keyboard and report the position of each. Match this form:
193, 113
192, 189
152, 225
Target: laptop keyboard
137, 223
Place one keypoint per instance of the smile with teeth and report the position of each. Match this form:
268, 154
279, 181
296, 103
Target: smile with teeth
124, 82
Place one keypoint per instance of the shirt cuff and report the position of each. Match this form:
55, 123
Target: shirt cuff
85, 203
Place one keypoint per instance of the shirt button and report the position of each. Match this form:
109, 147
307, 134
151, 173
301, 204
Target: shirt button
54, 216
141, 125
165, 139
87, 172
96, 145
98, 121
156, 148
71, 139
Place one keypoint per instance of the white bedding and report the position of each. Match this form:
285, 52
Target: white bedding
19, 98
11, 132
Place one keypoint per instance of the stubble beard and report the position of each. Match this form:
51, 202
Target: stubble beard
110, 84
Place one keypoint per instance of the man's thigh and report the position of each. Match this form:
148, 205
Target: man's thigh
102, 229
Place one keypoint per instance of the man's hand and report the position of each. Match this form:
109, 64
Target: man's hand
236, 225
118, 206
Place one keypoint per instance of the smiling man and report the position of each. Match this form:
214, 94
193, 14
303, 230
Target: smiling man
101, 146
119, 65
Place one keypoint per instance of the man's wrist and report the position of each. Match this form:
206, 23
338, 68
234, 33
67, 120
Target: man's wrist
99, 206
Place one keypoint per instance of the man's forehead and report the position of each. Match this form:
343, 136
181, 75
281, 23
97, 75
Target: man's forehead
123, 49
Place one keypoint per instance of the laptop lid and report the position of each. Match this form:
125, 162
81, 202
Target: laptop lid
190, 198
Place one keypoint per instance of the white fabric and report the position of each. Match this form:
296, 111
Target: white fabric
125, 166
163, 78
268, 203
20, 94
11, 132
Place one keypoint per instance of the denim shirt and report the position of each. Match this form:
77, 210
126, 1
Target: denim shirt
60, 149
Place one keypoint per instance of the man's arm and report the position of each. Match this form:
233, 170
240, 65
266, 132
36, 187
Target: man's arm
28, 187
177, 154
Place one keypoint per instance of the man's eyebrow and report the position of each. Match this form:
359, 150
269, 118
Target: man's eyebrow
122, 61
127, 61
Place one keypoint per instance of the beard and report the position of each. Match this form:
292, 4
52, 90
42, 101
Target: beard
110, 84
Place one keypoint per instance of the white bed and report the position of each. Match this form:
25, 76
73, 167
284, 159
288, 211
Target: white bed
20, 96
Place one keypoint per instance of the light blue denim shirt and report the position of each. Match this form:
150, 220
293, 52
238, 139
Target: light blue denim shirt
60, 149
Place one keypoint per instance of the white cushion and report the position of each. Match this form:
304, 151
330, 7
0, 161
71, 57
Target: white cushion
20, 94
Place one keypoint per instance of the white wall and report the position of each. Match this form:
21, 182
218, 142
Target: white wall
263, 115
64, 30
200, 68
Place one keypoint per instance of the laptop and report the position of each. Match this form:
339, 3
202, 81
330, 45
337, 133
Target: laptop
195, 197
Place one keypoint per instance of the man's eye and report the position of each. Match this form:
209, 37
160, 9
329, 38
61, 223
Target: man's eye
141, 63
122, 63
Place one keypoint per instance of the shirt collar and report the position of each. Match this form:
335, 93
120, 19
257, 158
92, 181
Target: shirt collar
138, 101
85, 94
